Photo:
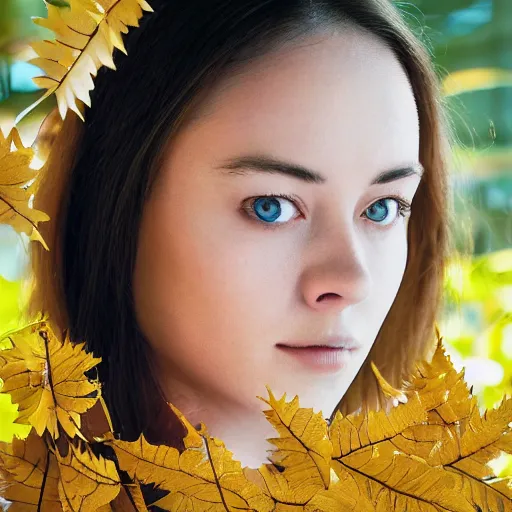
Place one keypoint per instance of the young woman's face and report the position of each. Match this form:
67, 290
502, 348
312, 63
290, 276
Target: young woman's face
223, 275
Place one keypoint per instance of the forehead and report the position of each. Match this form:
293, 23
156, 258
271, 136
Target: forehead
338, 95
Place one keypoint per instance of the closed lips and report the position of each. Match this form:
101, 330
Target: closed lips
333, 343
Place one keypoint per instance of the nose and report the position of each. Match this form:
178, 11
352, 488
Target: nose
338, 277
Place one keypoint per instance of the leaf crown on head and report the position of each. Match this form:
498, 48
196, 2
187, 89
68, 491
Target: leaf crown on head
430, 452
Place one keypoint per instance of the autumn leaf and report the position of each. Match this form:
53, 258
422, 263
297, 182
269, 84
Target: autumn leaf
87, 482
301, 463
442, 389
86, 35
389, 480
136, 497
389, 391
344, 494
33, 475
458, 437
129, 499
203, 477
368, 463
46, 378
423, 463
17, 184
29, 475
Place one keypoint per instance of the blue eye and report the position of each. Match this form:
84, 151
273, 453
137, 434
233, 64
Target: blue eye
379, 211
279, 209
271, 208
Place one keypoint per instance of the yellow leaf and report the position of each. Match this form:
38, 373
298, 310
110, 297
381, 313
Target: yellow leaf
303, 456
458, 437
397, 395
86, 35
32, 474
46, 378
203, 477
29, 475
136, 497
351, 433
86, 482
390, 480
343, 494
442, 390
17, 186
366, 459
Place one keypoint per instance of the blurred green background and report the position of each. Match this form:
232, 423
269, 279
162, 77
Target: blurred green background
471, 43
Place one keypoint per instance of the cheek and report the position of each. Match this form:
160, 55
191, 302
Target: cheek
202, 277
388, 266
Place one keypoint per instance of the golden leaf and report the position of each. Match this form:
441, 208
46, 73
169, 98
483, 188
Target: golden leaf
17, 184
46, 378
136, 497
397, 395
458, 437
301, 464
86, 35
442, 389
203, 477
33, 475
29, 475
372, 470
87, 482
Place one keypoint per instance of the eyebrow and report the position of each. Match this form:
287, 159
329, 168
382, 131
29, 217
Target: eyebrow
247, 164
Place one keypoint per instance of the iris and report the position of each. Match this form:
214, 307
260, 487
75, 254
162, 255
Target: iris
378, 211
267, 208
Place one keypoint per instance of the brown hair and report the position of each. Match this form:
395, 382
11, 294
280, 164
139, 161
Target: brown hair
100, 172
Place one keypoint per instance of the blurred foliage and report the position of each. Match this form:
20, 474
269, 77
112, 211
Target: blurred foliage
9, 319
478, 292
477, 324
471, 43
15, 24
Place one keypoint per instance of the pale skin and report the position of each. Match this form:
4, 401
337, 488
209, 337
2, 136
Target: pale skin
215, 288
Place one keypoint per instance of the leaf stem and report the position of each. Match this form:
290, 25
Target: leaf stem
46, 469
44, 335
215, 474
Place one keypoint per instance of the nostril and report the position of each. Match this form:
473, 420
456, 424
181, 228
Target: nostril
327, 295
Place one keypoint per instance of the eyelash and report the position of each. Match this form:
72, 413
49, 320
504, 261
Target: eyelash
404, 208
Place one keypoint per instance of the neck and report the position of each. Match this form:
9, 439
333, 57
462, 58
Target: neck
244, 433
243, 430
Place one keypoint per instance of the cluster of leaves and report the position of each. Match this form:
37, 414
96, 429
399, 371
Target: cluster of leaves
428, 452
18, 183
86, 33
